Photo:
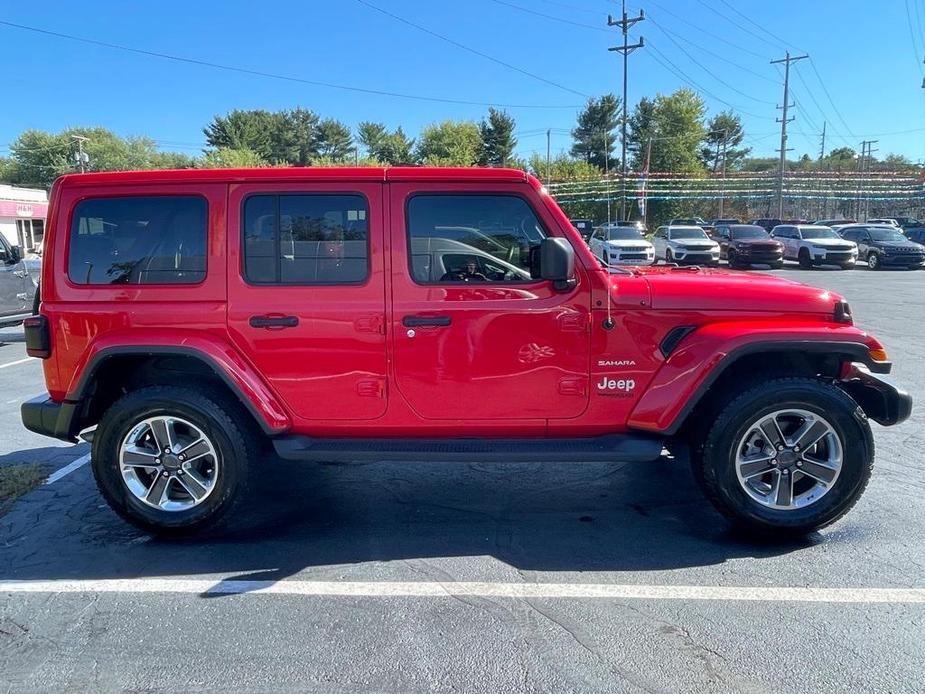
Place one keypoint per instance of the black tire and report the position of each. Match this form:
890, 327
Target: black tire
873, 261
778, 265
713, 462
668, 256
222, 420
805, 261
732, 259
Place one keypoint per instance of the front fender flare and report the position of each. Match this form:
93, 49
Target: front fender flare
703, 355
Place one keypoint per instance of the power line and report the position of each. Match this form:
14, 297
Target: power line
732, 21
915, 44
709, 52
825, 90
271, 75
662, 59
546, 16
714, 75
469, 49
759, 26
707, 32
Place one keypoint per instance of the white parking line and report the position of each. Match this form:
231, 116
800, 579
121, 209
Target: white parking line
428, 589
68, 469
14, 363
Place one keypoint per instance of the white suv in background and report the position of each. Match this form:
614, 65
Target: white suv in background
686, 245
621, 245
812, 244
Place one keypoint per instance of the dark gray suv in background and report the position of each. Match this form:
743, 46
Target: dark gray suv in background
19, 280
883, 246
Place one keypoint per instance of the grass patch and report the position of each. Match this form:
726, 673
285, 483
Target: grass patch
16, 480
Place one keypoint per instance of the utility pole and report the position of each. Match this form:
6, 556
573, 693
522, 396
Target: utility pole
625, 23
722, 188
607, 174
548, 151
870, 151
645, 183
822, 148
783, 128
81, 157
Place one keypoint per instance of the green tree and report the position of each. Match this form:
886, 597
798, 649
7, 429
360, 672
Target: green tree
563, 168
498, 141
246, 130
595, 134
172, 160
228, 158
724, 133
7, 170
393, 148
295, 137
333, 141
450, 143
840, 159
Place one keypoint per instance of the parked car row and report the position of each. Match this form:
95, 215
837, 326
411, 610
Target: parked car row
19, 280
743, 245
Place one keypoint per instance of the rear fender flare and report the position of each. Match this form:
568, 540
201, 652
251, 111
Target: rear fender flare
221, 359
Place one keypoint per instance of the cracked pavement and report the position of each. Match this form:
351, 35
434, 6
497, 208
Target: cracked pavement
586, 523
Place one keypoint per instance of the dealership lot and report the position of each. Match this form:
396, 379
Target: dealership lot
589, 577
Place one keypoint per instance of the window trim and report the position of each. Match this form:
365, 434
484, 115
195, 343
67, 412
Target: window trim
276, 194
122, 195
458, 194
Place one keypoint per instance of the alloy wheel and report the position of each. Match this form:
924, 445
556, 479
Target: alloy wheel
168, 463
788, 459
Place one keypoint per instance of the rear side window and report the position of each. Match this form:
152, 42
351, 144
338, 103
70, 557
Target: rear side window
138, 240
471, 238
306, 239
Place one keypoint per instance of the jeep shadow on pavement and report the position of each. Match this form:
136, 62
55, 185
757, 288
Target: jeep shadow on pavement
192, 319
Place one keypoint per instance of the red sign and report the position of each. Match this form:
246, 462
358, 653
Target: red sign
13, 208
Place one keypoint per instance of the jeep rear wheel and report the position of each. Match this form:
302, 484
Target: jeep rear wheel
786, 457
172, 460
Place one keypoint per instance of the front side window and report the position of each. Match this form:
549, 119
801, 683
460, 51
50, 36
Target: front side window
471, 238
306, 239
139, 240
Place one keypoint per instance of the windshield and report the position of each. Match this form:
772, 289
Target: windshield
688, 234
622, 234
750, 232
887, 235
819, 233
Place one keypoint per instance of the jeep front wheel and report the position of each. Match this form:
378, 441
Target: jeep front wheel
172, 460
873, 261
788, 456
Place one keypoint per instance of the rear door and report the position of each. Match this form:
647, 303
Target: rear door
306, 293
474, 336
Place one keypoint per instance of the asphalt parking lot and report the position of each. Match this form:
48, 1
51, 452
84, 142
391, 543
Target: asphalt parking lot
476, 578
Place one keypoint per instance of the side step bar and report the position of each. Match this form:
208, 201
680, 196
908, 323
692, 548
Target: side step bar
625, 448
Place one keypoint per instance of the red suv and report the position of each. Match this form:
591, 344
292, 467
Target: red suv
189, 318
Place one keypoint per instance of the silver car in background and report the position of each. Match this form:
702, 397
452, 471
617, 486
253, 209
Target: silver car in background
19, 281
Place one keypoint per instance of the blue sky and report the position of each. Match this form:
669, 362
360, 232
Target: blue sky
870, 62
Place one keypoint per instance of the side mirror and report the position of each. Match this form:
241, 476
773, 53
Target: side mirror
557, 263
15, 255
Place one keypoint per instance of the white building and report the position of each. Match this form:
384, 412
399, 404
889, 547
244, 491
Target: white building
22, 216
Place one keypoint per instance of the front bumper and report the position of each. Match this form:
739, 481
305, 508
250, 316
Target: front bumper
834, 258
696, 257
902, 260
49, 418
881, 401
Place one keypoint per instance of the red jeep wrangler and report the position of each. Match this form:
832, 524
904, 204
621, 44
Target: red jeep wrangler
425, 314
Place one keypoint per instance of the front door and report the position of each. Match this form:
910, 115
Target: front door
12, 282
474, 335
306, 293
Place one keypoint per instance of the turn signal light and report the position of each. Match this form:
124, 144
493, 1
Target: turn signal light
878, 354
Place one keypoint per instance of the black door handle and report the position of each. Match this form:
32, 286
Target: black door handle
419, 321
274, 321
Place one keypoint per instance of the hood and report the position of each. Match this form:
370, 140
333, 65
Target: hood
629, 243
711, 289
